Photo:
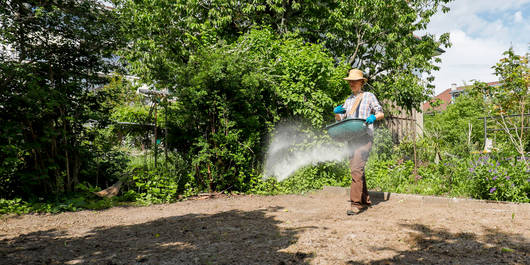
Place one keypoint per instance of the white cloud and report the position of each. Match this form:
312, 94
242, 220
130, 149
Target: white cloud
468, 59
518, 17
473, 6
480, 32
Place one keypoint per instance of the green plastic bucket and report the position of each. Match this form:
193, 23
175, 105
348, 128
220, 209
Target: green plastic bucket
347, 129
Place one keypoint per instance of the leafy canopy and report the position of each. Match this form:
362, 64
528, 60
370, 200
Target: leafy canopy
375, 36
232, 95
52, 58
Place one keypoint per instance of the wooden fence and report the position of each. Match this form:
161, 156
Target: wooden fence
402, 124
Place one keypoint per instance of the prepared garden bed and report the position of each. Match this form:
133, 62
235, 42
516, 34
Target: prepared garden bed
286, 229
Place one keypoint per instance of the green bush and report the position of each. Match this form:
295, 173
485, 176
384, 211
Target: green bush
16, 206
457, 131
155, 186
306, 179
498, 179
73, 202
383, 146
231, 95
168, 181
480, 177
316, 177
388, 175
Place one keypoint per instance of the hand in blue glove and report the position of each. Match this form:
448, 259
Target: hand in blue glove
339, 110
371, 119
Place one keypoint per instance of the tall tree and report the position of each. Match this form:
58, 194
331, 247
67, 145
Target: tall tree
233, 79
55, 54
376, 36
232, 94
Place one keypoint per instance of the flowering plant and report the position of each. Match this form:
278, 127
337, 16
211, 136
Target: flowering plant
500, 179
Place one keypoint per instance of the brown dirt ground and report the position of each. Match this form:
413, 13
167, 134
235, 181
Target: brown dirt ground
288, 229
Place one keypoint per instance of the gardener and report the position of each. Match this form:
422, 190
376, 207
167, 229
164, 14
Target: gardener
363, 105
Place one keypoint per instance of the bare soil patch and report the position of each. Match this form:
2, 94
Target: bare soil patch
287, 229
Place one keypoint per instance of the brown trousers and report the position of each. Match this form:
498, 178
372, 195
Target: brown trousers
358, 192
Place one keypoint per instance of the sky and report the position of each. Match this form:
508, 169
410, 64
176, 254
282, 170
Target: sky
480, 31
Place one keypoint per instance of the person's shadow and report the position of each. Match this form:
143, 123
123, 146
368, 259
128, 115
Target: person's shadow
378, 197
232, 237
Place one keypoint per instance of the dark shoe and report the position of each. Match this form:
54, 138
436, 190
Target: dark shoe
356, 211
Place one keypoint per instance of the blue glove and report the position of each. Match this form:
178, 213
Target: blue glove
370, 119
339, 110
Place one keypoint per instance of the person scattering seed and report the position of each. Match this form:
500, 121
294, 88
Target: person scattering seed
361, 105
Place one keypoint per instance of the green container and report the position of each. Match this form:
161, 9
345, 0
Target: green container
347, 129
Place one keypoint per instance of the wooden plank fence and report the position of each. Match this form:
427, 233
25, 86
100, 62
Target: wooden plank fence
402, 125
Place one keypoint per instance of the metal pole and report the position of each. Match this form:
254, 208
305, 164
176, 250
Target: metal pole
156, 147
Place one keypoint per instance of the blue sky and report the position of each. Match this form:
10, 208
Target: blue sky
480, 30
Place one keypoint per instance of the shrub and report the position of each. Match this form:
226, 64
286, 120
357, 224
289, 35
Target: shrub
316, 177
155, 186
306, 179
16, 206
71, 202
449, 178
388, 175
383, 145
497, 179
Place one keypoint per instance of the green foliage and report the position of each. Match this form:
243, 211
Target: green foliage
306, 179
155, 186
383, 146
48, 97
83, 199
215, 119
512, 94
456, 131
387, 175
105, 161
508, 98
397, 176
315, 177
127, 105
480, 177
500, 179
11, 157
231, 96
16, 206
164, 36
171, 180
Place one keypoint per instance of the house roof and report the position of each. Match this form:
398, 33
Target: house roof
446, 96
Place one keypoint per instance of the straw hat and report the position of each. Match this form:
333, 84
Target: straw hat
355, 74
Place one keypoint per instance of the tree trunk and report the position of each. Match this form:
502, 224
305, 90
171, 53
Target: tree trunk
67, 180
210, 185
75, 170
67, 177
